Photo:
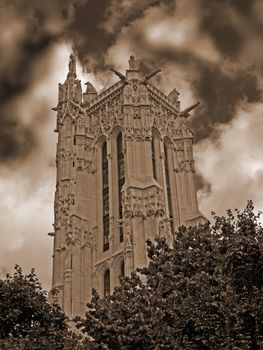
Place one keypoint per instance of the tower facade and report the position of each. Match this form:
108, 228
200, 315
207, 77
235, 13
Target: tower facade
125, 174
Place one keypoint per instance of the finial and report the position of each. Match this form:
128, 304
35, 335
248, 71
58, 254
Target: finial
72, 64
132, 63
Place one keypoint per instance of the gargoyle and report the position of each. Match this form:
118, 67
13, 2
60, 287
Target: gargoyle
149, 76
121, 76
186, 112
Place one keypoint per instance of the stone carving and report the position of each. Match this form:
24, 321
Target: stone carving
185, 166
138, 134
107, 119
72, 64
63, 154
162, 119
189, 150
162, 229
85, 165
143, 202
68, 259
73, 237
179, 145
62, 206
132, 63
128, 233
135, 93
89, 240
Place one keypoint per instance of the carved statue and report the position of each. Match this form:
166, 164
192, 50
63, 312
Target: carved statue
132, 63
128, 233
72, 64
68, 259
162, 228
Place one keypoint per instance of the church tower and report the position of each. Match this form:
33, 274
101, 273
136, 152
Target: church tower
125, 174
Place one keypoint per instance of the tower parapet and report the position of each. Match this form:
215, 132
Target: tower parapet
125, 174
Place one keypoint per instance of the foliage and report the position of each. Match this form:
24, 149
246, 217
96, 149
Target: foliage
203, 293
27, 320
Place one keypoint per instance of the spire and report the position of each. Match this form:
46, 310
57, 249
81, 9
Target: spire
72, 65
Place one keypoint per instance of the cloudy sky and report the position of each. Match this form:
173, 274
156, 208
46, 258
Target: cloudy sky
210, 50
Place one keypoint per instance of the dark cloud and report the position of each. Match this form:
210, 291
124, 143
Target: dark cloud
89, 38
220, 93
27, 30
217, 21
17, 140
96, 27
93, 28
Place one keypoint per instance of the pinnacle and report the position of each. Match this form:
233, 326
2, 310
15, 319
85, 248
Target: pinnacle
90, 89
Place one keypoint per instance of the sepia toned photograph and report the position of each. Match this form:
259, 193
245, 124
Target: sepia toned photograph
131, 174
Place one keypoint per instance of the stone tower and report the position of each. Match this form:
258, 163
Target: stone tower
125, 173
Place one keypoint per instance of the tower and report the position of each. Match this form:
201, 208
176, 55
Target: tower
125, 174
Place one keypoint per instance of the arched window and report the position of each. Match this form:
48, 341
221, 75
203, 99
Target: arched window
153, 158
121, 269
121, 177
168, 187
106, 282
105, 196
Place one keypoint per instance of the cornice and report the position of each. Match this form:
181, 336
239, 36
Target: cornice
101, 99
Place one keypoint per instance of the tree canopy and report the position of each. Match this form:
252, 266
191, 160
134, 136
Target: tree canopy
204, 292
27, 320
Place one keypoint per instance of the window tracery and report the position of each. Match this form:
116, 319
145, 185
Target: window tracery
105, 196
121, 177
168, 186
153, 158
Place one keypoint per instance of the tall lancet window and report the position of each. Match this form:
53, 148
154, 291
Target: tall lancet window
153, 158
122, 270
121, 177
168, 186
106, 282
105, 196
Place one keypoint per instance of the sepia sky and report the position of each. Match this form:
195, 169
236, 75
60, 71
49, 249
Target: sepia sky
210, 50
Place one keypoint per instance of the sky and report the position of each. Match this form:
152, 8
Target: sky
210, 51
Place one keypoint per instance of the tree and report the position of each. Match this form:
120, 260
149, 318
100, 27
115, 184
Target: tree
27, 320
204, 292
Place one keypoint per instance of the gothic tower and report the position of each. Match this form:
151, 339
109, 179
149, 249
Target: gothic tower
125, 174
